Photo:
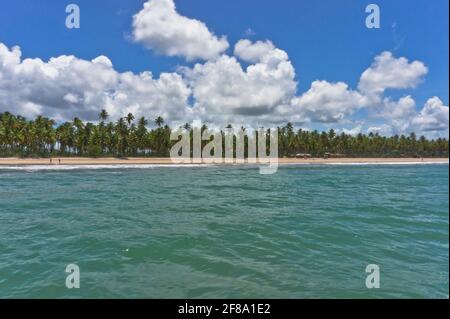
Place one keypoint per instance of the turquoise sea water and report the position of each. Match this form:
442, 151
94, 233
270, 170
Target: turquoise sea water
225, 232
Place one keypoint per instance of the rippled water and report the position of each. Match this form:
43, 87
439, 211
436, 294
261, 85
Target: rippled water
225, 232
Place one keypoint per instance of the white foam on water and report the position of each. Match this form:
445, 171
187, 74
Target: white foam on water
363, 163
33, 168
388, 163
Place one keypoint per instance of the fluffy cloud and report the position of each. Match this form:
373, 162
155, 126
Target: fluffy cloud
224, 88
433, 117
398, 113
328, 102
388, 72
65, 87
402, 118
252, 52
353, 131
402, 109
383, 129
159, 27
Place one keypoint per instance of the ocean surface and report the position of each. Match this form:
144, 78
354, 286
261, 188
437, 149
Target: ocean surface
308, 231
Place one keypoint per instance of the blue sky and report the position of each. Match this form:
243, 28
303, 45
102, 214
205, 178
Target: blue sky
325, 40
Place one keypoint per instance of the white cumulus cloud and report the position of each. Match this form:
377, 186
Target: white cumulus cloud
402, 109
353, 131
383, 129
388, 72
159, 27
224, 88
433, 117
67, 87
402, 118
328, 102
252, 52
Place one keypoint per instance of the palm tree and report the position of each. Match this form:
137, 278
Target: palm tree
129, 118
159, 121
141, 134
103, 115
143, 121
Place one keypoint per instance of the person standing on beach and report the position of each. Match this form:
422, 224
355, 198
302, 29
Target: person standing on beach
51, 161
59, 161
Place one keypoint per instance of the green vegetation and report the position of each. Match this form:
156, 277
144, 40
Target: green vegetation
41, 137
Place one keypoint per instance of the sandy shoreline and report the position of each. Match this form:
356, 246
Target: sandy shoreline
141, 160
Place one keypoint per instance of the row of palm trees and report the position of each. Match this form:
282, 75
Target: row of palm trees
362, 145
42, 137
127, 136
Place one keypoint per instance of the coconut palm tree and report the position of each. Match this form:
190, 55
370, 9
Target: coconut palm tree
103, 115
129, 118
159, 121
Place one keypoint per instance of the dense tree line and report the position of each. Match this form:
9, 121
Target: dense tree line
42, 137
360, 145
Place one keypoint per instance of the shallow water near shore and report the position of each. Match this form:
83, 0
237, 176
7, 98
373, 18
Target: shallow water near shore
308, 231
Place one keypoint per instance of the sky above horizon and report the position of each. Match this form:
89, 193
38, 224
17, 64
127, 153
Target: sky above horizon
252, 62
